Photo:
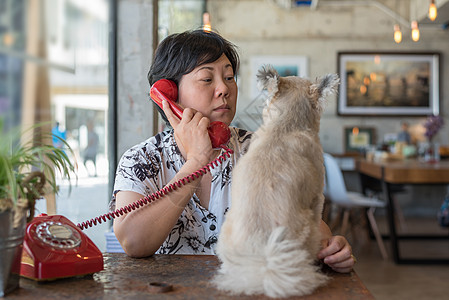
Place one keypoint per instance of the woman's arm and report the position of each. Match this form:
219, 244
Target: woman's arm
336, 251
142, 231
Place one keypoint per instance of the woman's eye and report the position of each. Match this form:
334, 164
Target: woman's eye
230, 78
206, 79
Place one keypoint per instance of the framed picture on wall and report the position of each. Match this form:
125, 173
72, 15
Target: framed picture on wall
286, 65
388, 83
358, 138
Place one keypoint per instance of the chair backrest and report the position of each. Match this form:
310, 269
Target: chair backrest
335, 188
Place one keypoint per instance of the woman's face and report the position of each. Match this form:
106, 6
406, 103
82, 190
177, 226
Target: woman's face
210, 89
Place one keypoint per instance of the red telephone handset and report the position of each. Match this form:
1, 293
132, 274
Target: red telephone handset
54, 248
219, 132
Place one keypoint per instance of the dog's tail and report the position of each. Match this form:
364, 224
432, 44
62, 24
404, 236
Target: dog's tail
281, 269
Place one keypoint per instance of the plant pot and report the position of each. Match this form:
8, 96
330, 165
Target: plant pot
11, 239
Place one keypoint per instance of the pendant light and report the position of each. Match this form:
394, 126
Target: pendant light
206, 22
397, 34
432, 10
415, 31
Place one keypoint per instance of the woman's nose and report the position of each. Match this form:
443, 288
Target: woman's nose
222, 89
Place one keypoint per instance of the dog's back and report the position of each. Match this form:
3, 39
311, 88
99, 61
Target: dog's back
269, 241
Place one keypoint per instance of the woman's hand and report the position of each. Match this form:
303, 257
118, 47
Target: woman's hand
337, 254
336, 251
191, 134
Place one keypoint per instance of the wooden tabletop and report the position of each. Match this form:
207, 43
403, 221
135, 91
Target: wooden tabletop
189, 276
407, 171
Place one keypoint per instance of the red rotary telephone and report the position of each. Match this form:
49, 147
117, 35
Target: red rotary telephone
54, 248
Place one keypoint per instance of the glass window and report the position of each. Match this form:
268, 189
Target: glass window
77, 38
54, 69
179, 15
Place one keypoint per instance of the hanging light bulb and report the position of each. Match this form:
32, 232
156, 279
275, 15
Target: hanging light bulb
415, 31
206, 22
397, 34
432, 10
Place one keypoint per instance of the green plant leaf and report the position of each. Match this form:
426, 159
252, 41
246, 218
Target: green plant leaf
18, 160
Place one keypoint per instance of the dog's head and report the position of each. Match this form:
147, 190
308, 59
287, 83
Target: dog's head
295, 96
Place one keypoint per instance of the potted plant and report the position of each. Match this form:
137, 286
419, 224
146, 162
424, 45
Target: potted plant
28, 171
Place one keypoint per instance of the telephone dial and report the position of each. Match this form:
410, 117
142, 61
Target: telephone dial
54, 247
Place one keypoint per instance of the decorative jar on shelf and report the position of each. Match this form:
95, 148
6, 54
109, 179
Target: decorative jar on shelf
432, 151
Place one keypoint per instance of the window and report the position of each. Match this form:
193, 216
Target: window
54, 69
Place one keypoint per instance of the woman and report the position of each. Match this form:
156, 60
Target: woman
188, 220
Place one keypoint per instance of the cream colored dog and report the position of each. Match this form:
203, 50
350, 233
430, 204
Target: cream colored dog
270, 239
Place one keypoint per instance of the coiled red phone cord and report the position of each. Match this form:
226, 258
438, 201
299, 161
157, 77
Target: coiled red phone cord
156, 195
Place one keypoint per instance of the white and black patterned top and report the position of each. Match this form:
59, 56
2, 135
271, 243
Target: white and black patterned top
149, 166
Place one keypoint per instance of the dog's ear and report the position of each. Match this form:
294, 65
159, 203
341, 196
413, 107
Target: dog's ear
268, 78
324, 87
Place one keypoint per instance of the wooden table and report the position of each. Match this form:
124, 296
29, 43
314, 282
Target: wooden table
189, 276
409, 171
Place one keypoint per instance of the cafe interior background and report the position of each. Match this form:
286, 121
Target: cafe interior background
84, 62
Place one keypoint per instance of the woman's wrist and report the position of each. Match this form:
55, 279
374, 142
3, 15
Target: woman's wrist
196, 162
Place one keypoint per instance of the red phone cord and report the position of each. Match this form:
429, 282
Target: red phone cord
156, 195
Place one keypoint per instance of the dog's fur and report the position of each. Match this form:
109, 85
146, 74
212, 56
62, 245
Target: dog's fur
270, 239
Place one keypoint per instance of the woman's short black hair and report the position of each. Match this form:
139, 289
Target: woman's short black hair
180, 53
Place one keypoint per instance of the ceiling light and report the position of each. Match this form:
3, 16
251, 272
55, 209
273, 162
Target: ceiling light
206, 22
432, 10
415, 31
397, 34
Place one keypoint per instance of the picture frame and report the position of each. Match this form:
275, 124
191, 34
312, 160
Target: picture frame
286, 65
358, 138
388, 83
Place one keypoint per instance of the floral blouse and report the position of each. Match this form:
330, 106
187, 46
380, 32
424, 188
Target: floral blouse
149, 166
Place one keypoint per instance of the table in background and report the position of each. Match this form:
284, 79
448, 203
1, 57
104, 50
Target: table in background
189, 275
408, 171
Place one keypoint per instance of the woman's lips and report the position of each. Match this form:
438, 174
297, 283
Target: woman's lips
223, 107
